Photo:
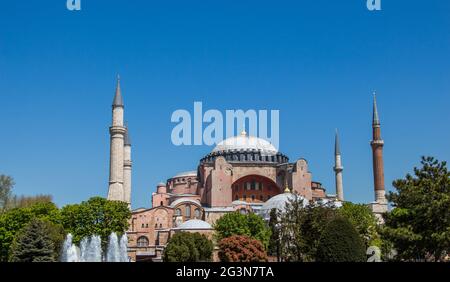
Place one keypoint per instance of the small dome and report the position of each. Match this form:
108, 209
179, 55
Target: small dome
245, 142
194, 224
279, 202
161, 184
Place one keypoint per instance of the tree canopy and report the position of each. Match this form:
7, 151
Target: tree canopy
36, 242
236, 223
340, 242
419, 223
238, 248
188, 247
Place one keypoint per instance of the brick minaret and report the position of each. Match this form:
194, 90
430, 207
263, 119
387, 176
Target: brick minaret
377, 152
117, 134
338, 168
380, 205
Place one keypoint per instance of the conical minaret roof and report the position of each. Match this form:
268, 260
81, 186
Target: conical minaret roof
118, 101
337, 147
375, 118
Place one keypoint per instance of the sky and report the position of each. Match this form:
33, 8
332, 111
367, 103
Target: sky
316, 61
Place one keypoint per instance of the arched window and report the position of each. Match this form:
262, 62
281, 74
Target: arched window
236, 197
197, 213
253, 198
177, 212
142, 241
187, 213
161, 203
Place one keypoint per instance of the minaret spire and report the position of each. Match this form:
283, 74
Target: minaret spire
118, 101
380, 205
117, 134
375, 118
338, 168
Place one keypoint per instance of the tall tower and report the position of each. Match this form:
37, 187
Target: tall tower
127, 168
117, 134
338, 168
380, 205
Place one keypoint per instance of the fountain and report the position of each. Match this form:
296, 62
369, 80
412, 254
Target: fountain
91, 249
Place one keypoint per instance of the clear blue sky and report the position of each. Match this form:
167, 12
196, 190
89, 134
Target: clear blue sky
316, 61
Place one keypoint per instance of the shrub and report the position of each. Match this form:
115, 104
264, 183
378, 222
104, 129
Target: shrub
340, 242
240, 248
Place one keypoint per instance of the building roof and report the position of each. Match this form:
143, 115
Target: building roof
186, 173
245, 142
194, 224
279, 202
118, 101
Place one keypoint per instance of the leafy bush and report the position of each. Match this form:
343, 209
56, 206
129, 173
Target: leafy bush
340, 243
250, 225
188, 247
240, 248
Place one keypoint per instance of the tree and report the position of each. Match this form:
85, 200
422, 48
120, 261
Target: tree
419, 224
236, 223
238, 248
274, 248
97, 216
34, 243
301, 229
340, 242
12, 221
364, 221
6, 185
188, 247
27, 201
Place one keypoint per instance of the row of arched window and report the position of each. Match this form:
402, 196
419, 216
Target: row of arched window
187, 212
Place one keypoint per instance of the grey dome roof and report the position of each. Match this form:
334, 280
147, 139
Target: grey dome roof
194, 224
245, 142
279, 202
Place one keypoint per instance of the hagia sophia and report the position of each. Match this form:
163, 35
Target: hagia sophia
242, 173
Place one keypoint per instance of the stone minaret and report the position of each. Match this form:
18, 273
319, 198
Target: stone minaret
117, 134
127, 168
380, 205
338, 169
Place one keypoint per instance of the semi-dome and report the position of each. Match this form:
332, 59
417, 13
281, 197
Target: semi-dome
184, 200
279, 202
246, 143
195, 224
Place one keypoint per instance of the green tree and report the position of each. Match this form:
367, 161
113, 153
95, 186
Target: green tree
340, 242
301, 229
6, 185
274, 248
236, 223
364, 221
419, 224
188, 247
12, 221
34, 243
239, 248
96, 216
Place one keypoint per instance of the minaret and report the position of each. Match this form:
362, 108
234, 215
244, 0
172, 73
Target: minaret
338, 168
117, 134
377, 152
378, 207
127, 168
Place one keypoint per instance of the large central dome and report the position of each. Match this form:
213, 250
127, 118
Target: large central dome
246, 143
